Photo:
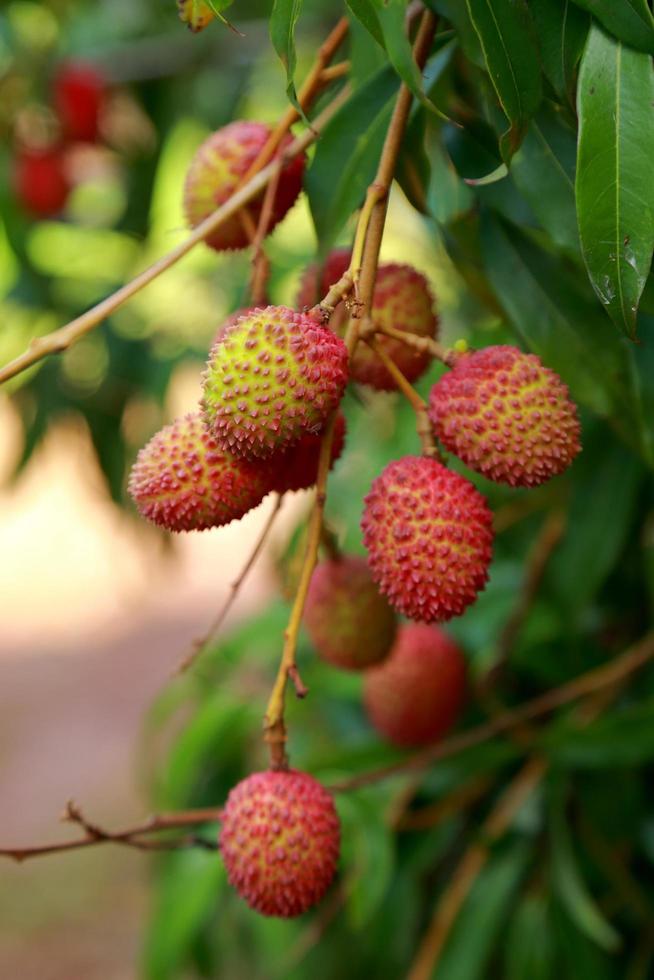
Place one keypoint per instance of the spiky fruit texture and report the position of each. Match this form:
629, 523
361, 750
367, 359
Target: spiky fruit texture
218, 167
182, 481
402, 300
280, 841
297, 468
229, 321
273, 377
507, 416
429, 537
78, 93
41, 182
416, 695
350, 624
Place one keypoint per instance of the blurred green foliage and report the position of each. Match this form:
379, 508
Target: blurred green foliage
568, 891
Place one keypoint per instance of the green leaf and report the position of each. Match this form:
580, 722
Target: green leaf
392, 15
347, 154
562, 29
367, 854
367, 54
544, 172
622, 738
483, 916
284, 17
507, 39
630, 21
571, 888
615, 192
366, 14
529, 946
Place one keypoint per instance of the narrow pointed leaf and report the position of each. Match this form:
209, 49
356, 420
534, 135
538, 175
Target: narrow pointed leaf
283, 19
562, 30
615, 191
507, 38
630, 21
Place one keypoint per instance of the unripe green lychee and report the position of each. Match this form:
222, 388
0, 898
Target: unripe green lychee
402, 300
218, 167
297, 468
280, 841
415, 696
506, 415
428, 534
183, 481
350, 624
273, 377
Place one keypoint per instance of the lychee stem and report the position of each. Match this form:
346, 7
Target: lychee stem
423, 425
447, 355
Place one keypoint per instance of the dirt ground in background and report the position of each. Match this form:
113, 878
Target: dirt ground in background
70, 721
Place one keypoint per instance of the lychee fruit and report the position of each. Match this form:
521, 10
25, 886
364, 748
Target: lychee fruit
415, 696
402, 300
350, 624
229, 321
507, 416
41, 180
297, 468
217, 169
183, 481
79, 92
273, 377
280, 841
428, 534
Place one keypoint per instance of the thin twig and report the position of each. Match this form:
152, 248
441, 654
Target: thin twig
594, 680
136, 836
200, 644
64, 337
447, 355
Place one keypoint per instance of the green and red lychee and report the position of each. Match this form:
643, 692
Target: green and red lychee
415, 696
402, 300
183, 481
429, 536
275, 376
217, 169
280, 841
506, 415
350, 624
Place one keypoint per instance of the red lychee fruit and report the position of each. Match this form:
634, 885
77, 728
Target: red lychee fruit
218, 167
350, 624
428, 534
280, 841
79, 92
229, 321
402, 300
183, 481
507, 416
273, 377
297, 468
41, 181
415, 696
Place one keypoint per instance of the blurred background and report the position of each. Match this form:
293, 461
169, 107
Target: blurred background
97, 611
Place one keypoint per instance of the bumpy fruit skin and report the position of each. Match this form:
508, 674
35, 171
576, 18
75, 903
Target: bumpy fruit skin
273, 377
217, 168
350, 624
230, 321
416, 695
429, 538
507, 416
183, 481
280, 841
40, 179
402, 300
79, 92
297, 468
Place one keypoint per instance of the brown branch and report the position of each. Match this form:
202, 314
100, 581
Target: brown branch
136, 836
453, 803
596, 680
447, 355
64, 337
199, 645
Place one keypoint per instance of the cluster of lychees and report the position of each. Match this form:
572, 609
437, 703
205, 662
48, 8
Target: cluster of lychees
41, 169
274, 378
